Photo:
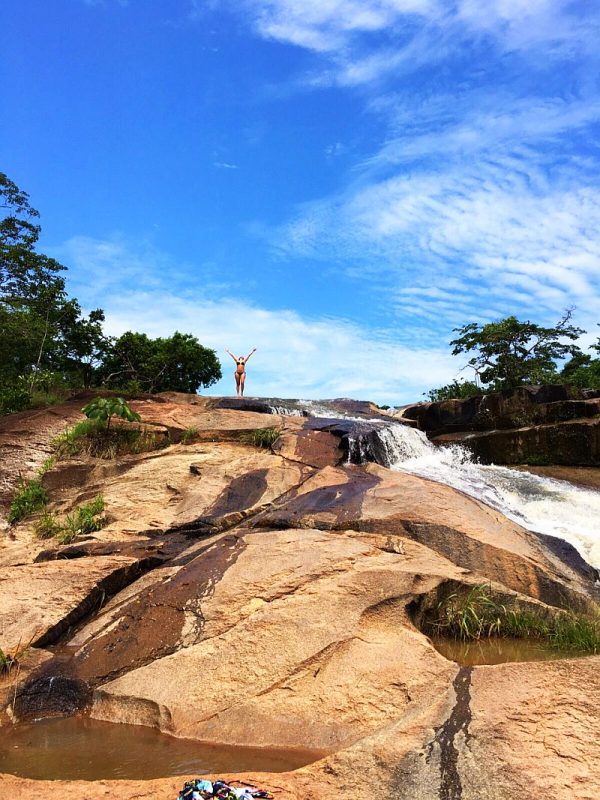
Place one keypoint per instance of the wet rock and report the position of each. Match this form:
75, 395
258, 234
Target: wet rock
50, 696
511, 408
315, 448
471, 535
569, 443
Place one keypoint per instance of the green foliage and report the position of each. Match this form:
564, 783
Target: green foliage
189, 435
11, 661
456, 390
6, 662
13, 398
104, 409
261, 437
176, 363
29, 497
511, 353
72, 441
43, 331
82, 520
582, 371
476, 613
47, 526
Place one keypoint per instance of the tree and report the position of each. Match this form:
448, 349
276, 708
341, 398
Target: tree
41, 328
583, 370
511, 353
176, 363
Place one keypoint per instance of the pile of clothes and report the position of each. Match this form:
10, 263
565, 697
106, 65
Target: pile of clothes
201, 789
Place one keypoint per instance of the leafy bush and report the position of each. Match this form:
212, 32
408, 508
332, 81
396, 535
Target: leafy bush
261, 437
475, 613
14, 398
29, 497
457, 390
103, 409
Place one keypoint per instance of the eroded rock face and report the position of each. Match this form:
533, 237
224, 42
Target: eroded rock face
526, 425
574, 443
267, 597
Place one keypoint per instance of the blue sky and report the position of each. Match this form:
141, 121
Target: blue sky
338, 183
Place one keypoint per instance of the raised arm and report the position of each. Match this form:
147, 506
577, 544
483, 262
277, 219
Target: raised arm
231, 354
250, 353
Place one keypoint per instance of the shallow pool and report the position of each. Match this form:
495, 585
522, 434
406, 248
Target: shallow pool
82, 748
498, 650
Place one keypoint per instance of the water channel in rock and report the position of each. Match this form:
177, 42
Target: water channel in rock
77, 748
499, 650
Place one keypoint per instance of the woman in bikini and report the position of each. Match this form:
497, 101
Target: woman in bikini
240, 370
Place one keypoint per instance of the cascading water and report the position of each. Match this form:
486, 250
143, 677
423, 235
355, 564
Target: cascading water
540, 504
544, 505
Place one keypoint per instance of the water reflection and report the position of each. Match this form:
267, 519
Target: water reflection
498, 650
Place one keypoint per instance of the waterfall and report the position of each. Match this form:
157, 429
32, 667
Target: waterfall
545, 505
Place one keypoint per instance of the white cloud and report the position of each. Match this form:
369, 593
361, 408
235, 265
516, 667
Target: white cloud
296, 356
327, 25
139, 289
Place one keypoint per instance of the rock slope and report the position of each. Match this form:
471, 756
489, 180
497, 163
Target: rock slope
269, 597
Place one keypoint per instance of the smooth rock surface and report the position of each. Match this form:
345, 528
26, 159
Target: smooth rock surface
271, 597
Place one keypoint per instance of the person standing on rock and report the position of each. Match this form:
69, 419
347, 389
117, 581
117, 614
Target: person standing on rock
240, 371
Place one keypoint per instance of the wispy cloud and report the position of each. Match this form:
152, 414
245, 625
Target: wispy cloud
365, 39
484, 198
225, 165
467, 242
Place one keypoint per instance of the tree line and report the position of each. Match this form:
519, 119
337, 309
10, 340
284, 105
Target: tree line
49, 347
512, 353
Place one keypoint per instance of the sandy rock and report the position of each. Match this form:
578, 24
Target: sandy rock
533, 733
276, 665
40, 602
463, 530
279, 609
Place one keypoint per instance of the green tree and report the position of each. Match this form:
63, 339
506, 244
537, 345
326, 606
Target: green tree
512, 353
176, 363
41, 328
583, 370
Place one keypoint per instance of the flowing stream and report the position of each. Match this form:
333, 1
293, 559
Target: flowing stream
541, 504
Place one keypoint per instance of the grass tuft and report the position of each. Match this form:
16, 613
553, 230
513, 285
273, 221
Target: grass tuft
91, 437
189, 435
82, 520
29, 497
47, 526
475, 613
261, 437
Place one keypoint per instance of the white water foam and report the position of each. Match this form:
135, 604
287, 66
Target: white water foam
537, 503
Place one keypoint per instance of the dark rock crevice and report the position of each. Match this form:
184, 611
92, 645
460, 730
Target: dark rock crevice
450, 787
